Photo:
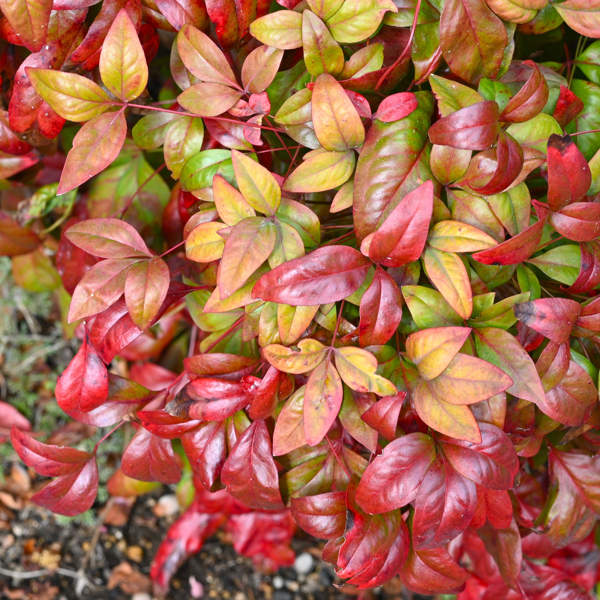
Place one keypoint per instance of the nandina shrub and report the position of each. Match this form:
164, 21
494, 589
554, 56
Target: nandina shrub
333, 264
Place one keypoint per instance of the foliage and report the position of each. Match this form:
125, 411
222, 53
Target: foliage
333, 264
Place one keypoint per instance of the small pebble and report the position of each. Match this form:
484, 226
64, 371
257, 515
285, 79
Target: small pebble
304, 563
167, 506
277, 582
141, 596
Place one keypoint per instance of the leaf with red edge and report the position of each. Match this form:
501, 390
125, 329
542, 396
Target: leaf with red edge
529, 100
123, 66
203, 58
579, 221
473, 127
322, 401
72, 96
182, 12
514, 250
508, 159
74, 489
456, 236
146, 287
289, 426
322, 516
554, 318
472, 39
150, 458
569, 176
380, 310
350, 416
250, 473
166, 425
580, 473
83, 385
568, 106
185, 537
501, 349
454, 420
492, 462
383, 415
108, 238
10, 417
218, 410
208, 99
29, 19
373, 550
432, 349
99, 288
328, 274
322, 54
357, 367
400, 239
260, 67
14, 239
247, 246
444, 506
206, 450
432, 571
393, 478
281, 29
95, 146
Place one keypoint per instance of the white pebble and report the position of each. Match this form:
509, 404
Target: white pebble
278, 582
304, 563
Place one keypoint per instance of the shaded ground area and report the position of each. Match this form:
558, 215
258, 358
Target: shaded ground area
46, 558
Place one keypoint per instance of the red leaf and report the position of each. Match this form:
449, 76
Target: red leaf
72, 263
383, 415
250, 473
206, 450
185, 537
323, 515
223, 15
76, 484
473, 127
9, 142
216, 363
273, 387
150, 458
14, 239
402, 236
180, 12
529, 100
47, 460
10, 417
218, 410
328, 274
373, 550
554, 318
569, 176
492, 463
83, 385
95, 146
444, 506
396, 107
579, 221
589, 272
145, 290
393, 478
165, 425
432, 571
509, 161
568, 106
514, 250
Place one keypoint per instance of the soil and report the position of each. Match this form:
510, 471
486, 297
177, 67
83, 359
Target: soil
44, 559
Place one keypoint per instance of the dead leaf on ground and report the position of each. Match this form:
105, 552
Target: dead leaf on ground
128, 579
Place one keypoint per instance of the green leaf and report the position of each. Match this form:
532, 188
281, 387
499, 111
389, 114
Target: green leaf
182, 139
199, 170
357, 20
448, 274
95, 146
257, 184
320, 171
72, 96
561, 264
149, 132
393, 161
535, 132
588, 118
322, 54
281, 29
428, 307
123, 66
451, 95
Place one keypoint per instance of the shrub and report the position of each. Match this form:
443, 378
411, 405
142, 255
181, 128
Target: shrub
333, 264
